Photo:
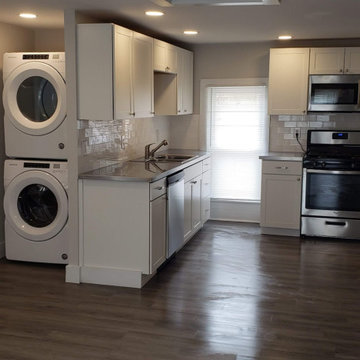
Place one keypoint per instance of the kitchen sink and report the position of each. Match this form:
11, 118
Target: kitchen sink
181, 158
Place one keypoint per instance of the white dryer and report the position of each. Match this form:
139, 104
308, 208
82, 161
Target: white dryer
34, 99
36, 211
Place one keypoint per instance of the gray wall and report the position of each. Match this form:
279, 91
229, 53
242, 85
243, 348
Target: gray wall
244, 60
12, 38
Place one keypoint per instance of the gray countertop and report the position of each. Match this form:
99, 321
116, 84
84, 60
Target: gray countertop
144, 171
282, 156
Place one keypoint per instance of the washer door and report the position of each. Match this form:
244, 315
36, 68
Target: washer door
35, 98
36, 205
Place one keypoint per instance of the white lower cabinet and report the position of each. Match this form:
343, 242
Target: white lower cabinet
281, 197
157, 232
197, 198
122, 231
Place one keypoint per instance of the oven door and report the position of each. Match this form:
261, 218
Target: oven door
331, 193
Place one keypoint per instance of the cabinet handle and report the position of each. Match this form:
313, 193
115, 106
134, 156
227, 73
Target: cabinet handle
341, 70
298, 179
167, 68
304, 111
132, 114
185, 110
152, 112
347, 70
282, 167
194, 182
179, 111
160, 188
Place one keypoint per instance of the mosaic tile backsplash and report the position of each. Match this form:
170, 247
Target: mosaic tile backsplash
102, 143
282, 128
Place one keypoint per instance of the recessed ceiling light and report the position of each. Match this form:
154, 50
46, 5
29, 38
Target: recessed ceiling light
28, 16
191, 32
285, 37
154, 13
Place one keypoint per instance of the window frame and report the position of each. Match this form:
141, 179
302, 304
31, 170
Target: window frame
205, 119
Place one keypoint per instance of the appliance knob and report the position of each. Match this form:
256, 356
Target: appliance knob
323, 164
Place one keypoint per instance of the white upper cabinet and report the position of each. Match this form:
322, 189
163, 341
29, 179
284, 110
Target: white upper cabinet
185, 82
174, 92
352, 60
115, 73
165, 57
143, 76
288, 81
335, 60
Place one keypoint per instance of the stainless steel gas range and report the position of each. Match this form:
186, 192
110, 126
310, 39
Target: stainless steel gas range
331, 185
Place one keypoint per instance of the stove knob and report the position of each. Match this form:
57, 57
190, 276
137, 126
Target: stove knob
323, 164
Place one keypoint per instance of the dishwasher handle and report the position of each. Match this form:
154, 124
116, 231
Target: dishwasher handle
174, 178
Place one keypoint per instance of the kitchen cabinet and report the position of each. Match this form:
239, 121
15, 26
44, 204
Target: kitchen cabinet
288, 81
185, 82
335, 60
165, 57
192, 200
173, 93
123, 230
205, 191
157, 232
115, 73
281, 197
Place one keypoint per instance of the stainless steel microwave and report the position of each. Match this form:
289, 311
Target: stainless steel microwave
334, 93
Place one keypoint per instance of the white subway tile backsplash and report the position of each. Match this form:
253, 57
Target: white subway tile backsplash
282, 126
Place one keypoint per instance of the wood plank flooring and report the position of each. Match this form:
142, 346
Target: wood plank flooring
231, 293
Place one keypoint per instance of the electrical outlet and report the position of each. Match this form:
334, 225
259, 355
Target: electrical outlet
297, 133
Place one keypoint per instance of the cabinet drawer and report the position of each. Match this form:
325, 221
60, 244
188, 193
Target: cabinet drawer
282, 167
193, 171
157, 188
205, 187
206, 164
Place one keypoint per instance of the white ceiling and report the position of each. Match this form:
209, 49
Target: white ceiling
304, 19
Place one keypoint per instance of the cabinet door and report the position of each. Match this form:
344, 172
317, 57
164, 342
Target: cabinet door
185, 82
95, 71
187, 211
288, 81
280, 201
143, 76
352, 60
157, 232
122, 73
327, 60
196, 203
165, 57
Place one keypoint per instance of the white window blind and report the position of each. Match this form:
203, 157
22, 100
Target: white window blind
238, 135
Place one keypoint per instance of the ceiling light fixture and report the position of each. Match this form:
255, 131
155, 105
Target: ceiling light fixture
28, 16
154, 13
191, 32
284, 37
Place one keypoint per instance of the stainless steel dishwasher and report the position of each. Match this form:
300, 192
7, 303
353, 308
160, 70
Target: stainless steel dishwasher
175, 212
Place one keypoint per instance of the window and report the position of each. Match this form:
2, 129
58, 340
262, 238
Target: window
238, 135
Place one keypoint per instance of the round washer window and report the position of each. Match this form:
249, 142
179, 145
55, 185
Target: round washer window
37, 205
37, 99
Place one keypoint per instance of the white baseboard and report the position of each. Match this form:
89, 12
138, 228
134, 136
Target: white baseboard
279, 231
72, 274
111, 276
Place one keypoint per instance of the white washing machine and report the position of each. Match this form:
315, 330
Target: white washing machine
36, 210
34, 99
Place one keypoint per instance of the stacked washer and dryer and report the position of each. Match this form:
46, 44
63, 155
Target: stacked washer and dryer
36, 171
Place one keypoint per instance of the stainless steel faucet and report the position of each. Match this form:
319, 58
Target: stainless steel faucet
150, 154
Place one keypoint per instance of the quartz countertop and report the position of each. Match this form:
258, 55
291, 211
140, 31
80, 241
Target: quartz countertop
282, 156
144, 171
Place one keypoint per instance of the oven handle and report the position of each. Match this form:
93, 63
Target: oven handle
336, 223
335, 172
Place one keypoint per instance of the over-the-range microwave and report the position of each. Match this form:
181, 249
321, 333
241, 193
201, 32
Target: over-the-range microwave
334, 93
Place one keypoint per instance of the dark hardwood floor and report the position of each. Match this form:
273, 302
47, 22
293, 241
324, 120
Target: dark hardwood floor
231, 293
